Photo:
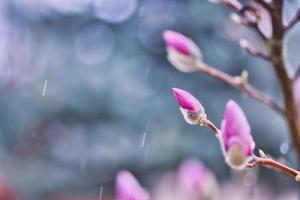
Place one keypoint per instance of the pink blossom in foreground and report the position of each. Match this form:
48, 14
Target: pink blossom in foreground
128, 188
190, 107
196, 181
182, 52
236, 138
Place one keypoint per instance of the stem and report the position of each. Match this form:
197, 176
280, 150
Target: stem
238, 83
294, 21
267, 162
262, 161
212, 126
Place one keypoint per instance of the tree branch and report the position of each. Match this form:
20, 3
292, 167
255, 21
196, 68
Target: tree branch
286, 82
294, 21
267, 162
262, 161
239, 83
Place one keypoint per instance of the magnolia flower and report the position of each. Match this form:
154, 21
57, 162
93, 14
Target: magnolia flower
128, 188
196, 181
191, 109
182, 51
235, 138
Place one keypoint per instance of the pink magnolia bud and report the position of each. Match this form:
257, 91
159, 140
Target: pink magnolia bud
235, 138
128, 188
196, 181
182, 52
192, 110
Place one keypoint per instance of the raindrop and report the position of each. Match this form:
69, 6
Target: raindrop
115, 11
284, 147
95, 44
44, 88
144, 134
101, 193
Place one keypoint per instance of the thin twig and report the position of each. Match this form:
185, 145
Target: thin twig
294, 21
238, 83
251, 51
212, 126
262, 161
268, 162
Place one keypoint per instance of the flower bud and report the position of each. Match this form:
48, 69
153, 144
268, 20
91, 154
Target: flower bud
236, 139
192, 110
196, 181
182, 52
263, 19
128, 188
246, 45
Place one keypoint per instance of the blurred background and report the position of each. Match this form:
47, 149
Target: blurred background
86, 91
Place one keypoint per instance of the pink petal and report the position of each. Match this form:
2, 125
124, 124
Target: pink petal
235, 126
265, 21
177, 41
187, 100
192, 175
128, 188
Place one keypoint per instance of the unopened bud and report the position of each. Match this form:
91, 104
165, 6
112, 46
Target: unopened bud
297, 178
191, 109
261, 153
246, 45
236, 138
245, 75
182, 51
236, 18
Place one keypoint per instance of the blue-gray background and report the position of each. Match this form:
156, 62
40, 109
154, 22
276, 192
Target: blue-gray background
83, 81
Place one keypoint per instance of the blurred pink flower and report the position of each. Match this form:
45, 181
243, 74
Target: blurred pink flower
182, 51
236, 138
190, 107
196, 180
264, 20
128, 188
6, 191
